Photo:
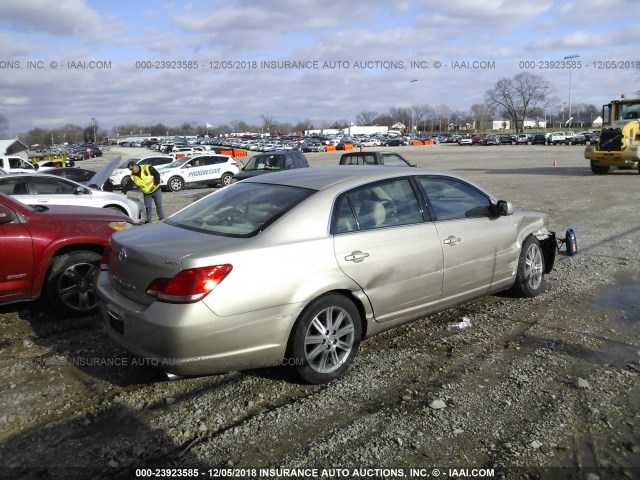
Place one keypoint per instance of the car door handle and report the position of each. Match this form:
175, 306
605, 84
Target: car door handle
356, 256
452, 240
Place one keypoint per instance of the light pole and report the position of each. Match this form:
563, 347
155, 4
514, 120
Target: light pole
570, 58
95, 141
412, 107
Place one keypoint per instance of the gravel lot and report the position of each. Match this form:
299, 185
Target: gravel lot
537, 388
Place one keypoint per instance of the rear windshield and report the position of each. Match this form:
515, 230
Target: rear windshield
265, 162
239, 210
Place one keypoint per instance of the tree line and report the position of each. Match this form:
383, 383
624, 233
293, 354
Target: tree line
524, 96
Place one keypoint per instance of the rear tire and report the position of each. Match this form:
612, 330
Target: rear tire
530, 274
325, 339
226, 179
598, 169
70, 283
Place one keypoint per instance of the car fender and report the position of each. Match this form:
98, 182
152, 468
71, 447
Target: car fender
535, 223
45, 257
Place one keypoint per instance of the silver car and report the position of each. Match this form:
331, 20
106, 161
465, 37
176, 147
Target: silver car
45, 189
297, 267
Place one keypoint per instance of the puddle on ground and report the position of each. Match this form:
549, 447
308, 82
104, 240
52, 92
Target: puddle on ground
622, 298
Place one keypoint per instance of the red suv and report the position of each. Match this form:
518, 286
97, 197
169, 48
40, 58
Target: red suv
54, 250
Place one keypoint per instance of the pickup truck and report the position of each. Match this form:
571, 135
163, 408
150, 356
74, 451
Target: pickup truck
16, 164
557, 138
388, 159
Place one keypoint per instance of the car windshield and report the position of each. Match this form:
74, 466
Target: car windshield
176, 163
265, 162
240, 210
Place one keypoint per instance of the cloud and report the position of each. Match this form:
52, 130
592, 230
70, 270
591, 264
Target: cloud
69, 18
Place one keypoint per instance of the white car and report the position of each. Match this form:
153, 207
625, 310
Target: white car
206, 169
557, 138
119, 176
185, 152
369, 142
44, 189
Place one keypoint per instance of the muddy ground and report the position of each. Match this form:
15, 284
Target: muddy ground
538, 388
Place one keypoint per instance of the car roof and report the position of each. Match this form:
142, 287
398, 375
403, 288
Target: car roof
322, 177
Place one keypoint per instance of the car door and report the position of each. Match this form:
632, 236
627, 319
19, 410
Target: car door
16, 257
16, 186
47, 190
480, 248
384, 243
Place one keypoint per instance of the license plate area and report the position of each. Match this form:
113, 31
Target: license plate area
115, 321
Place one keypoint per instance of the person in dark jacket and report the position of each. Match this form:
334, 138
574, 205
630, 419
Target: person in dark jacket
147, 179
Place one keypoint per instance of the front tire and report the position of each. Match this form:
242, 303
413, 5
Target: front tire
530, 274
325, 339
175, 184
70, 283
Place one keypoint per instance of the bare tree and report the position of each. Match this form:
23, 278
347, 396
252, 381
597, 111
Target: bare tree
303, 126
400, 115
420, 114
442, 113
518, 96
479, 114
268, 121
367, 118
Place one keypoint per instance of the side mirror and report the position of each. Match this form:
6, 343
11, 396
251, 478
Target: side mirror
36, 166
6, 215
504, 208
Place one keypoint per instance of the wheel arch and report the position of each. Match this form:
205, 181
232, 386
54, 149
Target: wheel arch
357, 300
120, 208
54, 255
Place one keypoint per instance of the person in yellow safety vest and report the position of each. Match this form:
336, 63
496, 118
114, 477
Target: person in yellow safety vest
147, 179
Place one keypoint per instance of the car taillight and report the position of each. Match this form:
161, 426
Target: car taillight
104, 262
188, 286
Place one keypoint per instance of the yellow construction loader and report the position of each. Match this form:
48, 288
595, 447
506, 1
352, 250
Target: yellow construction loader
619, 139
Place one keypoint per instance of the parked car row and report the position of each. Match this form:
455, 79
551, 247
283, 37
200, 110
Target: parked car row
549, 138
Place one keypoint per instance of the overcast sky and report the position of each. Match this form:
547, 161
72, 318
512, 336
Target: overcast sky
74, 60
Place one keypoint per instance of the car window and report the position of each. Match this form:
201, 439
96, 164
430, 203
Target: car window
213, 160
385, 204
361, 159
288, 163
393, 160
242, 211
159, 161
51, 186
452, 199
14, 186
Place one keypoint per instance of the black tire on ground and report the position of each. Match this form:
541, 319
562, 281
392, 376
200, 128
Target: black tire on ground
69, 284
325, 339
226, 179
598, 169
530, 274
175, 184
